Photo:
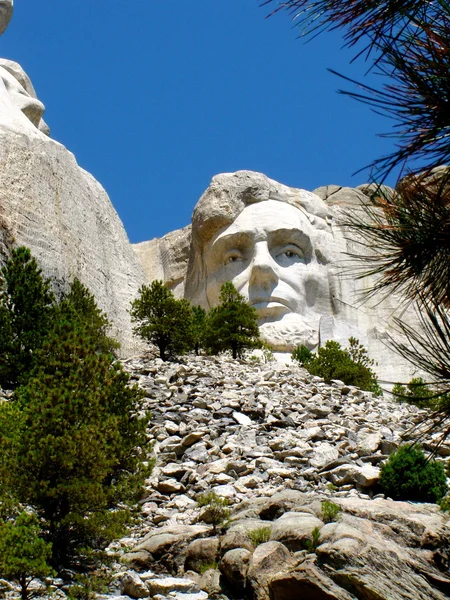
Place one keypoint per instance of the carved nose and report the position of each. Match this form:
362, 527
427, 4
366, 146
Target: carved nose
263, 266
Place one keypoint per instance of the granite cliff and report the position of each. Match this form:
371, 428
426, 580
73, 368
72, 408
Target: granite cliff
51, 205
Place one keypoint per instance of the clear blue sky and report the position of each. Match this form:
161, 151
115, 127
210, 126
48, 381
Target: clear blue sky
154, 97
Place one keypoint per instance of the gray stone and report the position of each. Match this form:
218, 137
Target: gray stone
201, 553
322, 299
294, 528
268, 560
307, 582
166, 585
234, 566
133, 586
6, 10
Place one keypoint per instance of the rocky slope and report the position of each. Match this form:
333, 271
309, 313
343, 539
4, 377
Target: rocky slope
278, 444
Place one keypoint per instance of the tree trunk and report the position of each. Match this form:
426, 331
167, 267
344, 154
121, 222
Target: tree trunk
24, 587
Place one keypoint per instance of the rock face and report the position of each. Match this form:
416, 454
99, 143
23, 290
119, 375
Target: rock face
281, 542
6, 10
287, 252
58, 210
165, 258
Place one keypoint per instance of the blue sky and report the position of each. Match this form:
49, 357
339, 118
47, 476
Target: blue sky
154, 97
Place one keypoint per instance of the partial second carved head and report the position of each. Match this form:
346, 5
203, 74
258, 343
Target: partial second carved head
6, 10
20, 92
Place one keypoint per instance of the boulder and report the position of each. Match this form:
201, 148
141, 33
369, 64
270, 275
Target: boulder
234, 566
268, 560
293, 529
164, 547
306, 582
133, 586
201, 553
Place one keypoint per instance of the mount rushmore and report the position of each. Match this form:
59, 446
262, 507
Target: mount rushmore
285, 249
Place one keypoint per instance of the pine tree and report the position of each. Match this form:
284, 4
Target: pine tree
80, 303
24, 555
26, 303
198, 328
233, 324
75, 443
352, 365
162, 320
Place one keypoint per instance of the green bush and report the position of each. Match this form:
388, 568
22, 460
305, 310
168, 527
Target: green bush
444, 504
24, 555
330, 511
164, 321
408, 475
352, 366
260, 535
207, 566
302, 354
312, 544
417, 392
26, 305
215, 511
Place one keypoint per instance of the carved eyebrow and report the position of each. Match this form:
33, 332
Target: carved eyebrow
294, 236
231, 240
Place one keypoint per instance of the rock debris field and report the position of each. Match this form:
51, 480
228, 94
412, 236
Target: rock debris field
278, 444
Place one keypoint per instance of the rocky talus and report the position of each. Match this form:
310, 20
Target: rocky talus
283, 448
278, 444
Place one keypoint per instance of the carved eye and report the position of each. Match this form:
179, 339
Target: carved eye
290, 254
231, 258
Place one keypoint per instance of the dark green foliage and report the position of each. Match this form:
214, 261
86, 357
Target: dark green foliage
26, 303
260, 535
79, 304
351, 366
87, 587
76, 436
162, 320
416, 392
312, 544
198, 328
408, 475
233, 324
24, 555
302, 354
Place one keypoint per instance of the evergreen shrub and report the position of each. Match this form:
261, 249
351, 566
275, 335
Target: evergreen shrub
408, 475
352, 365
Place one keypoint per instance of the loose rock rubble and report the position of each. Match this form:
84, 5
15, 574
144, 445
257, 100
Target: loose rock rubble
277, 443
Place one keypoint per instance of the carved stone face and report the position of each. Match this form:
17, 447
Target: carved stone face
29, 105
268, 253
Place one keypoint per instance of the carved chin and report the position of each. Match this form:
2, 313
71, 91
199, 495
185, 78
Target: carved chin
290, 332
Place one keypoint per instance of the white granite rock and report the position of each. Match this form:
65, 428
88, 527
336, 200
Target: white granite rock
60, 211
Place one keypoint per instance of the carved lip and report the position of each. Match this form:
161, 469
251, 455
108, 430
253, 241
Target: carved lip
267, 303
